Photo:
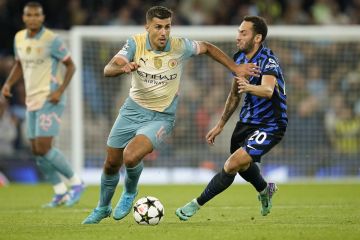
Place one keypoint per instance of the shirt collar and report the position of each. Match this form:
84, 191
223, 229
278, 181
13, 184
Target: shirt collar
148, 46
257, 52
37, 35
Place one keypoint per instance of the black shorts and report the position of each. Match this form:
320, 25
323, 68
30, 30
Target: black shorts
256, 140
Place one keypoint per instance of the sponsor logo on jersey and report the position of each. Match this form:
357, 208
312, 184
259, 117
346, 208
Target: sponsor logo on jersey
161, 77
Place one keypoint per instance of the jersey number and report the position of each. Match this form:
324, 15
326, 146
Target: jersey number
258, 136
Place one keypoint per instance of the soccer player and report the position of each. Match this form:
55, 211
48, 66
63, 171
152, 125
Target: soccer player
155, 61
262, 123
38, 55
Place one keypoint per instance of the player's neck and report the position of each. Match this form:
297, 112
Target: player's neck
33, 32
252, 53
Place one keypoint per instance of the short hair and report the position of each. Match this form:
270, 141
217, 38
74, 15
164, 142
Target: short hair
259, 25
158, 12
33, 4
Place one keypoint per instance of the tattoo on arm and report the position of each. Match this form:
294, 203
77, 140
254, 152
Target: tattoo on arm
232, 103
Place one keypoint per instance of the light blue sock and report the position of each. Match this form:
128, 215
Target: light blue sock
107, 188
48, 170
132, 178
59, 161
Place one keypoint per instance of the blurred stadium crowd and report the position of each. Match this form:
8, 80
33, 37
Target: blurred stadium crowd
63, 14
323, 96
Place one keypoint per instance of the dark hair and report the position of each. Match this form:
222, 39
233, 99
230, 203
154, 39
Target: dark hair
259, 25
33, 5
158, 12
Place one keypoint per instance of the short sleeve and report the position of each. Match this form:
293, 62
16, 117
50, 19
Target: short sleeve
191, 48
270, 67
15, 51
58, 49
128, 50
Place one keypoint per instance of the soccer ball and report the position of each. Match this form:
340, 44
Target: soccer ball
148, 211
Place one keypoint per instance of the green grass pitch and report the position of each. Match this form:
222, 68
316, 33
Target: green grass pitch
300, 211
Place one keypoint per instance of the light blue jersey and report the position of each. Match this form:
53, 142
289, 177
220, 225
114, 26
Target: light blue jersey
151, 106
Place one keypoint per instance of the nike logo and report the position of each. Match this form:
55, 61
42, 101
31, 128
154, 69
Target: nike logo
251, 147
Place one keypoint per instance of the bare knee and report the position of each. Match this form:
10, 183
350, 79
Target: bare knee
238, 161
113, 161
42, 150
131, 158
41, 145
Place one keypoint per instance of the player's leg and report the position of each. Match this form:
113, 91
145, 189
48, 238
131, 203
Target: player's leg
47, 127
47, 169
153, 128
134, 152
50, 174
121, 133
258, 143
109, 181
218, 184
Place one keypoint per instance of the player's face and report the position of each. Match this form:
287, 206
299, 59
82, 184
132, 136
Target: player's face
159, 31
33, 18
245, 40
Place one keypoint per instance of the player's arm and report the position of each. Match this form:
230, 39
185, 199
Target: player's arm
232, 102
119, 65
55, 96
265, 90
249, 69
14, 76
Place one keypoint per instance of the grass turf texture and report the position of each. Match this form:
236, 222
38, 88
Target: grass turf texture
300, 211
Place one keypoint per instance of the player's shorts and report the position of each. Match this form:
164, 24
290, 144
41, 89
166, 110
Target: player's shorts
256, 140
134, 120
44, 122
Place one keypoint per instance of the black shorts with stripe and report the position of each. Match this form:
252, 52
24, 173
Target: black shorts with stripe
256, 140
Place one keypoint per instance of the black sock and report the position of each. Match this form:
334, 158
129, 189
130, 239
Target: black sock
218, 183
253, 176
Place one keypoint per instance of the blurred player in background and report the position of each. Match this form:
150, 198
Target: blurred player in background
147, 117
38, 54
262, 124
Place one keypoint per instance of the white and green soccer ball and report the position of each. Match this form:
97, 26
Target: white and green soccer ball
148, 211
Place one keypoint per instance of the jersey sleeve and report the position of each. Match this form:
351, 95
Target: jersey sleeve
58, 49
191, 48
270, 67
16, 55
128, 50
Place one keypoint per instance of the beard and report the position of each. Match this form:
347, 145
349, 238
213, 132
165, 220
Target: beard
248, 47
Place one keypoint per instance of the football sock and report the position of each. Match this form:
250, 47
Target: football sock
48, 170
107, 188
218, 183
132, 178
75, 180
58, 160
60, 188
253, 176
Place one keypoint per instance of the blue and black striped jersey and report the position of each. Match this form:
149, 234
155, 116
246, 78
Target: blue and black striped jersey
256, 110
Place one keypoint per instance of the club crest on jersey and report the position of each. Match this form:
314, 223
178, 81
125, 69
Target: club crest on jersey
28, 50
157, 63
172, 63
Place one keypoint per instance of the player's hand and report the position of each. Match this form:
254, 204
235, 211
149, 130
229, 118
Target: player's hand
210, 137
243, 84
6, 90
130, 67
247, 69
55, 97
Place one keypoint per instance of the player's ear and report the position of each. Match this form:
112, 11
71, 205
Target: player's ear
258, 38
147, 27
